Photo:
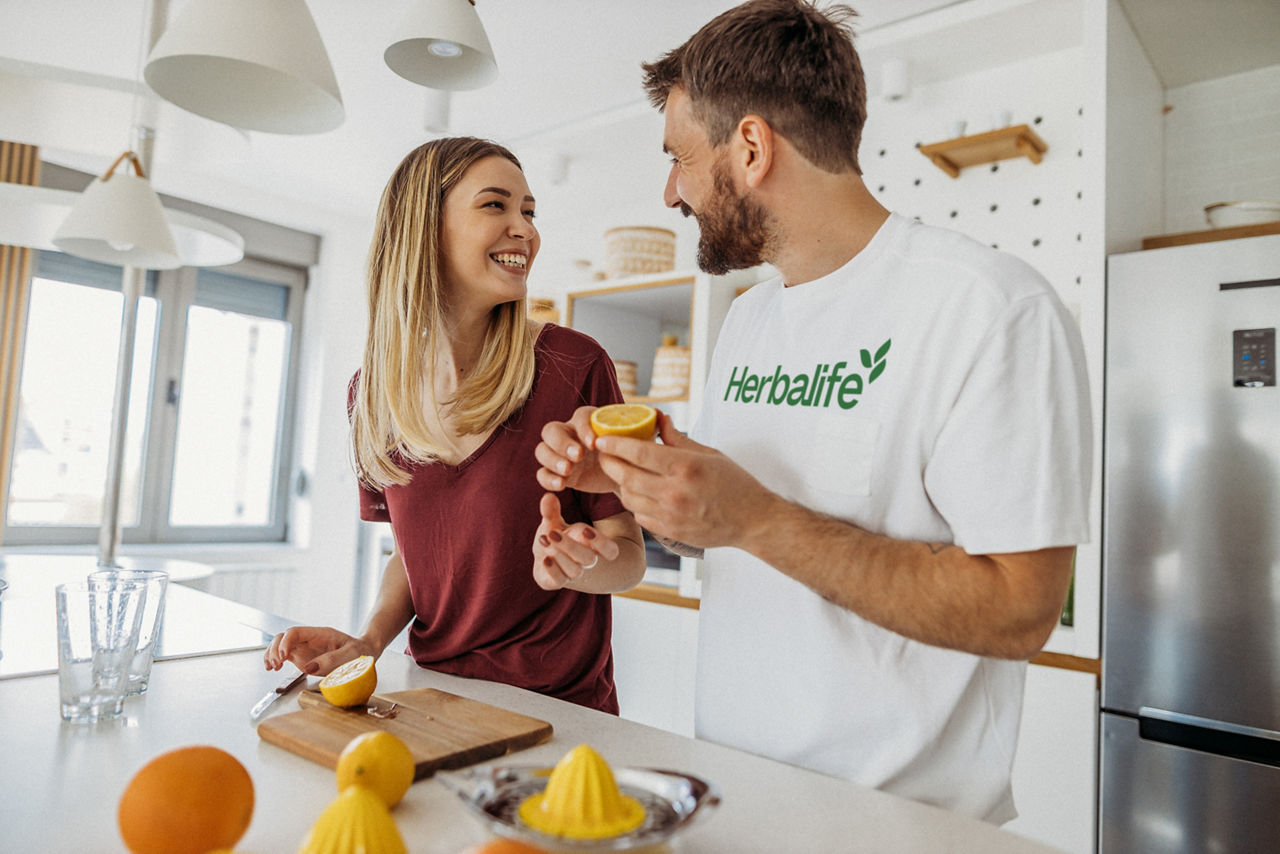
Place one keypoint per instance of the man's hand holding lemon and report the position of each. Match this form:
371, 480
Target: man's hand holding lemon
679, 489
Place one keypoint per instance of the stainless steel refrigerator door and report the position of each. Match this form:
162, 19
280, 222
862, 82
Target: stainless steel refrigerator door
1191, 577
1160, 799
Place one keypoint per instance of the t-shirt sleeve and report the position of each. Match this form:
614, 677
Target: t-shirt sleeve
1012, 464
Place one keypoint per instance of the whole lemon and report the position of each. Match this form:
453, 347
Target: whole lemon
378, 761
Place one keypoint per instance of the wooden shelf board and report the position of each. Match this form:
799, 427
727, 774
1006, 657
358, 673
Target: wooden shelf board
660, 594
1211, 234
645, 398
952, 155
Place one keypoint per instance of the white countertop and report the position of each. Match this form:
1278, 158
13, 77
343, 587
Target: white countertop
60, 783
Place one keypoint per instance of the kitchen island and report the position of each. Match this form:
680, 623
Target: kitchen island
60, 783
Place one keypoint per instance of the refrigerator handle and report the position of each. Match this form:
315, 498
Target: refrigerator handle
1210, 736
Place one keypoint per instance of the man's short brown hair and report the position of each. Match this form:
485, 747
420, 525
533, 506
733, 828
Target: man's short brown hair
784, 60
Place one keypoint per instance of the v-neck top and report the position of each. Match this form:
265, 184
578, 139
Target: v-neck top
465, 533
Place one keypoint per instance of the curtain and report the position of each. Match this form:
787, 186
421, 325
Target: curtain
19, 164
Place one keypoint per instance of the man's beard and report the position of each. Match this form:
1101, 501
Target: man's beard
735, 232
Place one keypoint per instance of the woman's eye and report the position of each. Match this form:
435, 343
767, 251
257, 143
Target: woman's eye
530, 214
495, 204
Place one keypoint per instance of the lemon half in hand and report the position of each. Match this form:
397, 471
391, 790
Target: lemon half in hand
351, 684
625, 419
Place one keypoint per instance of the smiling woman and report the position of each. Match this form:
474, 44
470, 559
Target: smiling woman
490, 573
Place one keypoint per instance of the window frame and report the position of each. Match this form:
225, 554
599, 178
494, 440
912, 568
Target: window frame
175, 292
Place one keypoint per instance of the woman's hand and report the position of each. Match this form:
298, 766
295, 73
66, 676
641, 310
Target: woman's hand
567, 456
562, 553
315, 650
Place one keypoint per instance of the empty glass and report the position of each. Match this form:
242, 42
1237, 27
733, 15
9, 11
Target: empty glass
152, 616
98, 623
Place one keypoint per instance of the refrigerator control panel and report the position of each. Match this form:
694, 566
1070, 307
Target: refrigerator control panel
1255, 363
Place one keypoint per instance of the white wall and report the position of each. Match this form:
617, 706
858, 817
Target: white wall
1221, 144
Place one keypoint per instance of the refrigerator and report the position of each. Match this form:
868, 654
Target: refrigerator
1189, 755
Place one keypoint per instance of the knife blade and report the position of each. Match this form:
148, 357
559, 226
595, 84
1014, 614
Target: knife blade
287, 685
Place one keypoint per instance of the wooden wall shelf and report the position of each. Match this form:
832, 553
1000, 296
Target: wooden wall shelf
1211, 234
952, 155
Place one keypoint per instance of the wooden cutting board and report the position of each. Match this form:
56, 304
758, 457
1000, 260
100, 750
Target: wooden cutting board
442, 730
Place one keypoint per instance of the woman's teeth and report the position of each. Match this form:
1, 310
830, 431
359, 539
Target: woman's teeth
508, 259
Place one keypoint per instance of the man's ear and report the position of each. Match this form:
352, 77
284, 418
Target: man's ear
757, 148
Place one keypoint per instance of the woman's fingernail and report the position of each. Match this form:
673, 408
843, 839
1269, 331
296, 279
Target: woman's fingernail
311, 668
555, 536
542, 538
546, 561
589, 533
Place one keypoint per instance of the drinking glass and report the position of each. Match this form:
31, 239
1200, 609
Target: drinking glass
156, 583
98, 623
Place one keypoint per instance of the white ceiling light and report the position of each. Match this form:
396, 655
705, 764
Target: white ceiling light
442, 44
119, 220
253, 65
29, 216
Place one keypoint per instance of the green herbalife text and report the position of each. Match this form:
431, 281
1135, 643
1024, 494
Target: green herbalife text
826, 383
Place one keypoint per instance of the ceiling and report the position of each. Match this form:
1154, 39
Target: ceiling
569, 80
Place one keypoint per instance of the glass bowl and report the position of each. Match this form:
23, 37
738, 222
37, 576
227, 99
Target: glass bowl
672, 801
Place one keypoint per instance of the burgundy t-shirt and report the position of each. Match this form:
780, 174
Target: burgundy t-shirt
465, 534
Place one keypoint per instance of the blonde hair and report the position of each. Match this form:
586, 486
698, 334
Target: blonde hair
396, 422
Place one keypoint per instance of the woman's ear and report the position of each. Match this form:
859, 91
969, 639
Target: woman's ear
756, 142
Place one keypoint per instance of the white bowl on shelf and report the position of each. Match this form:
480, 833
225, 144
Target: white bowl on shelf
1229, 214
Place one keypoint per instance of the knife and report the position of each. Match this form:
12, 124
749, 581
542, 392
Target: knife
289, 683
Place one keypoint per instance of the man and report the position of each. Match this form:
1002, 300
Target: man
892, 465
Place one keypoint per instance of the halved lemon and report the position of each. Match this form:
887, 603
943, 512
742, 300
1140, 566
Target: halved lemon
625, 419
350, 684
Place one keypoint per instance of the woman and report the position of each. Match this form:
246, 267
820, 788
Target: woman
446, 411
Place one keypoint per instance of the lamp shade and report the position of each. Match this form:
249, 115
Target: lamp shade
119, 220
442, 44
250, 64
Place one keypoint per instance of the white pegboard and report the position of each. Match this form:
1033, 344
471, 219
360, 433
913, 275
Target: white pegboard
1033, 211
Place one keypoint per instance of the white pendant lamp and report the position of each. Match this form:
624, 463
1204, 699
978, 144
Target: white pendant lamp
119, 220
250, 64
442, 44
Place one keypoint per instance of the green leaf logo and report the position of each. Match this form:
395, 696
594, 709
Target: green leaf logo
876, 363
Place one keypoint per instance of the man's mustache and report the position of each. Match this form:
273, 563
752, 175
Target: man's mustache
685, 209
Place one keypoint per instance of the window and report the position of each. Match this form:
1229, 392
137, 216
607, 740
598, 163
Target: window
208, 444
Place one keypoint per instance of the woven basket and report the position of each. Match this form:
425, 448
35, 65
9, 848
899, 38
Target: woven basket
631, 250
626, 372
670, 376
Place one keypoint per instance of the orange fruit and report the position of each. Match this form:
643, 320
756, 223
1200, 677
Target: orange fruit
625, 419
187, 801
500, 845
351, 684
378, 761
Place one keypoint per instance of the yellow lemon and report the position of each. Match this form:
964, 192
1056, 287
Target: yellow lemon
625, 419
351, 684
378, 761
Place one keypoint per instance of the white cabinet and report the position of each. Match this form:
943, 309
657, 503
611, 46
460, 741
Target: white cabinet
1054, 771
654, 658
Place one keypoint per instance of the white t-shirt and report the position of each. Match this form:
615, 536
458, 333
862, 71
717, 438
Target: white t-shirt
931, 389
